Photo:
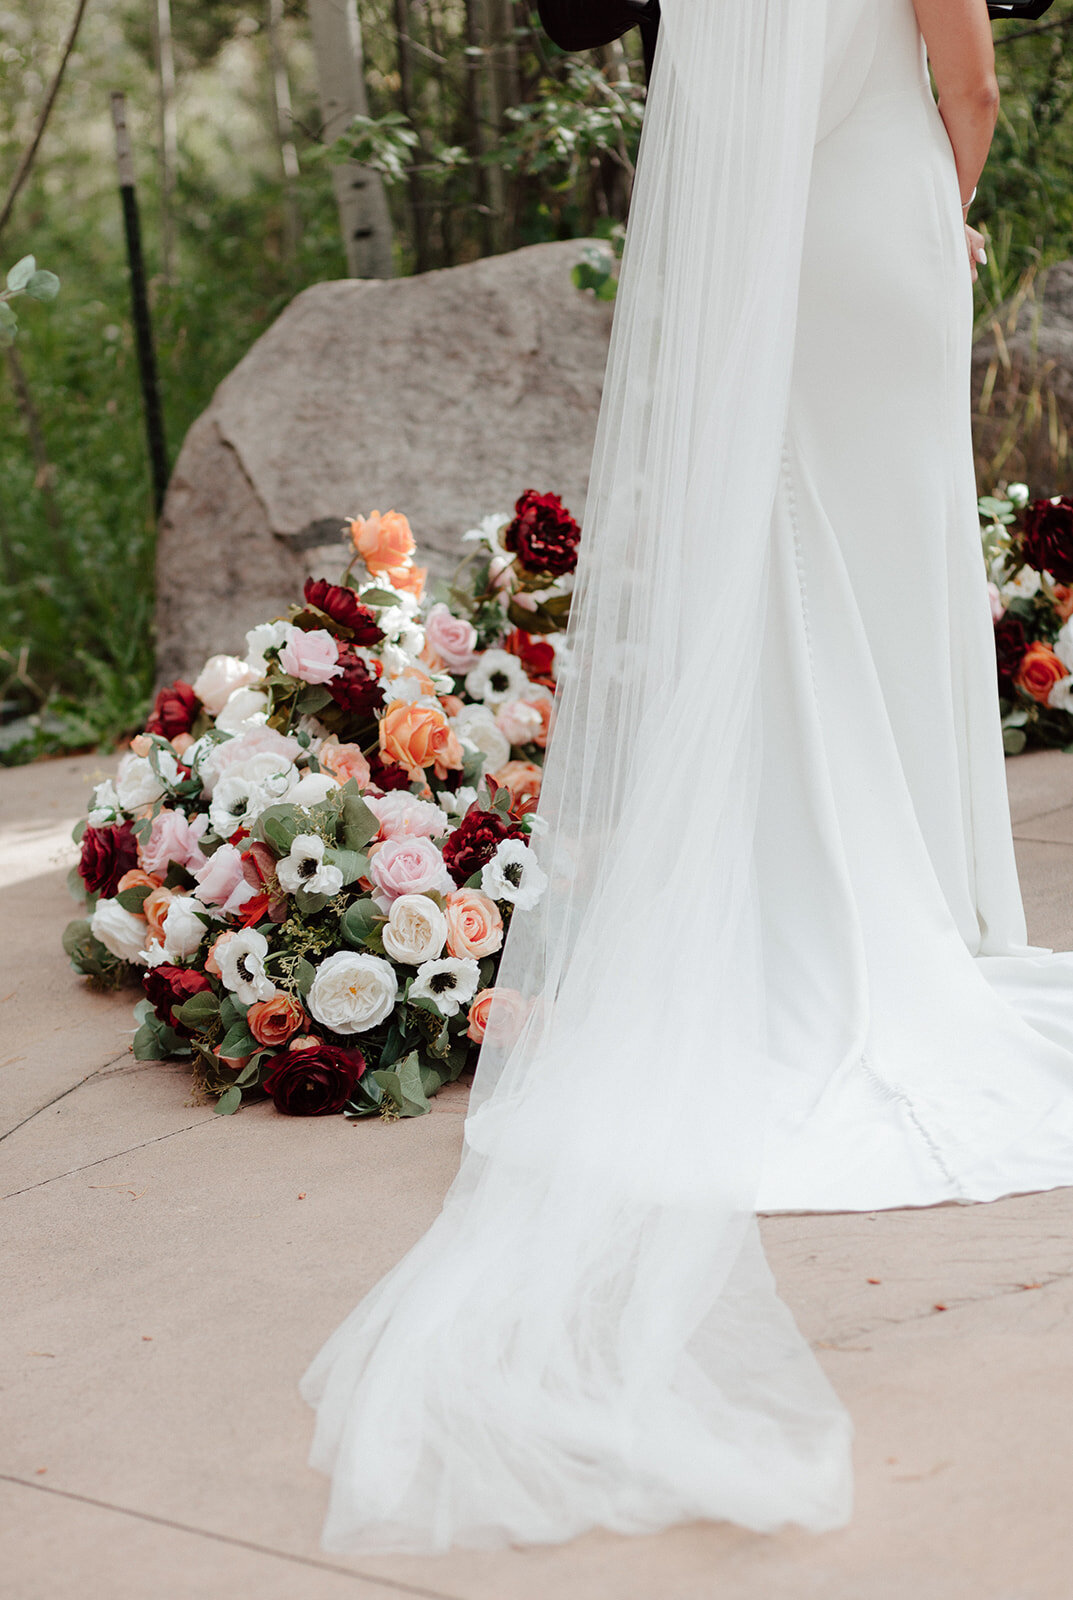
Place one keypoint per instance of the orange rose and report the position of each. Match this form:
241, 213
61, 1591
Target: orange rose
344, 761
407, 578
416, 737
382, 542
155, 908
273, 1021
522, 778
137, 879
1039, 671
500, 1024
474, 924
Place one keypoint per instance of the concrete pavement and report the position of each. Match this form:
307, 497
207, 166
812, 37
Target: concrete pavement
169, 1273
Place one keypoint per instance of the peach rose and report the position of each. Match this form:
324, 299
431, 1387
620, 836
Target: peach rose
474, 924
135, 879
407, 578
545, 706
382, 542
272, 1022
522, 778
211, 963
155, 908
417, 737
1063, 599
182, 742
141, 744
304, 1041
501, 1025
1039, 671
343, 761
452, 704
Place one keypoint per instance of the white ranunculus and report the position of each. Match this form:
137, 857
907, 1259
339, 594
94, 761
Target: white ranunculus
104, 805
415, 931
241, 960
183, 928
498, 676
514, 874
244, 708
247, 789
119, 931
139, 782
450, 983
218, 679
353, 991
476, 727
266, 636
312, 788
304, 868
1063, 645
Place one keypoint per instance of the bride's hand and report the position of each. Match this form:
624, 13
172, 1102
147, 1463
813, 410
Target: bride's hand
974, 241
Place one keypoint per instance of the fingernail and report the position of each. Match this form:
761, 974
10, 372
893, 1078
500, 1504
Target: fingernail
981, 256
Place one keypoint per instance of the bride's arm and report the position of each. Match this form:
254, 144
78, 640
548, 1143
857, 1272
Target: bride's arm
962, 56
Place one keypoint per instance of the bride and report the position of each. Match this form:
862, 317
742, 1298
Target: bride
781, 962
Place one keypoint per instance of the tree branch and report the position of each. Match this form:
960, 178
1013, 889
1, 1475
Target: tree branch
23, 170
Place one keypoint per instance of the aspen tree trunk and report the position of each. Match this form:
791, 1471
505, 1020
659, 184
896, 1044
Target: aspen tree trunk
496, 21
169, 134
418, 208
359, 193
284, 123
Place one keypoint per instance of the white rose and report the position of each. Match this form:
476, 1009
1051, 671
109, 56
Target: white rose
217, 680
138, 783
304, 868
119, 931
1063, 645
241, 960
104, 805
266, 636
183, 928
415, 931
244, 708
352, 992
1017, 494
312, 788
476, 727
1061, 696
456, 804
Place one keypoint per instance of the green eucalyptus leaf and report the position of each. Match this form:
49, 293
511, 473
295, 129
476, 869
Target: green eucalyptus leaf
21, 274
357, 823
199, 1011
134, 898
147, 1044
43, 286
351, 863
229, 1101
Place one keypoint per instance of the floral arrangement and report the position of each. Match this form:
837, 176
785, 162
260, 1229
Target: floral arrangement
1028, 548
311, 855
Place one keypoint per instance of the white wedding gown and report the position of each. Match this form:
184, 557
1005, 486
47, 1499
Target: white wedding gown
781, 962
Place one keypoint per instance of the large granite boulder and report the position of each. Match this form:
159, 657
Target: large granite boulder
443, 396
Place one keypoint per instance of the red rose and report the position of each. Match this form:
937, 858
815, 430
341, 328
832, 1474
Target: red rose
342, 606
313, 1082
1011, 642
107, 853
475, 841
388, 774
174, 711
1047, 538
356, 688
535, 655
543, 535
167, 987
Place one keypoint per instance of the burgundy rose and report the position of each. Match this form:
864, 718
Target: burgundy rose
356, 688
167, 987
313, 1082
1047, 539
1011, 642
543, 535
475, 841
344, 608
174, 710
107, 853
388, 774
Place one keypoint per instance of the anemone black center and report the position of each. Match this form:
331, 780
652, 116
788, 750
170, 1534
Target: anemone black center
440, 982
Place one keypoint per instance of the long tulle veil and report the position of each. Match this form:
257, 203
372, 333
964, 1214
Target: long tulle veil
589, 1335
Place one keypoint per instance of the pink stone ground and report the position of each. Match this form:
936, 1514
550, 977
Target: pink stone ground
169, 1273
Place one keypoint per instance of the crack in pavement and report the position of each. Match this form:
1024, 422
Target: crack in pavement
63, 1094
948, 1307
114, 1155
396, 1585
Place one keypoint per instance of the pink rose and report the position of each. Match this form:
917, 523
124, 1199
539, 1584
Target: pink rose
998, 610
496, 1015
313, 656
222, 882
519, 722
173, 838
453, 638
343, 761
402, 815
474, 924
407, 866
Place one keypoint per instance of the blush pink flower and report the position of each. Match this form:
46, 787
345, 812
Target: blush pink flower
402, 815
343, 761
222, 882
311, 656
519, 722
454, 639
173, 838
407, 866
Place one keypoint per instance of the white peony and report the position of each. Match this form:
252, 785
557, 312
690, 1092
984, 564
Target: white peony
248, 788
104, 805
214, 756
119, 931
245, 708
139, 782
241, 960
304, 868
450, 983
476, 727
498, 676
312, 788
415, 931
218, 679
352, 991
266, 636
514, 874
